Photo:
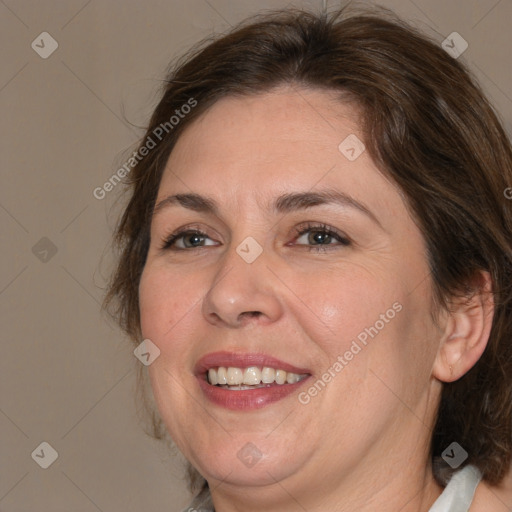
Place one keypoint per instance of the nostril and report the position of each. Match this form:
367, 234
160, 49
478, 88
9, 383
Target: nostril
247, 315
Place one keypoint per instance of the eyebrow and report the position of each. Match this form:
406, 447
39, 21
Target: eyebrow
285, 203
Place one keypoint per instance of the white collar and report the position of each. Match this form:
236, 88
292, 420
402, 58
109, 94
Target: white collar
458, 494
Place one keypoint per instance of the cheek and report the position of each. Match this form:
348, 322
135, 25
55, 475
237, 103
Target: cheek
164, 300
167, 308
338, 307
367, 316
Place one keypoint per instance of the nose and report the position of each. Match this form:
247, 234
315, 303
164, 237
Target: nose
242, 293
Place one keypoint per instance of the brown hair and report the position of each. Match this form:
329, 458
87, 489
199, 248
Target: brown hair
427, 126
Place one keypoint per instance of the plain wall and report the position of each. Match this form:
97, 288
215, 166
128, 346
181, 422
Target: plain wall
66, 374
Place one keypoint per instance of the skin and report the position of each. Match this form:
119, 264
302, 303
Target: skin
363, 440
496, 498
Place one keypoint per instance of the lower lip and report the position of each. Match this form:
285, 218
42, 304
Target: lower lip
249, 399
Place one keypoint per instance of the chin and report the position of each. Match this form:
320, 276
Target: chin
248, 463
235, 473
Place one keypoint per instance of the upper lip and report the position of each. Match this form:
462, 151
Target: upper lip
244, 360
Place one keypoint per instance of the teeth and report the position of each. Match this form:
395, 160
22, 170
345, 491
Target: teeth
212, 377
292, 378
252, 376
235, 376
280, 376
222, 377
268, 375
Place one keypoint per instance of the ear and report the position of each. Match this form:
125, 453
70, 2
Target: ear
466, 331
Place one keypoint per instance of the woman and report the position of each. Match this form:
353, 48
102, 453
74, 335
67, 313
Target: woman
317, 251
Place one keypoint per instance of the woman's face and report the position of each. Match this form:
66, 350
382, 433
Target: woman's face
308, 263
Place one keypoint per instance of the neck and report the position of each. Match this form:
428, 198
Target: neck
394, 473
406, 487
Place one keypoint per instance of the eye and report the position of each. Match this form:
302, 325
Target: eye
186, 239
320, 236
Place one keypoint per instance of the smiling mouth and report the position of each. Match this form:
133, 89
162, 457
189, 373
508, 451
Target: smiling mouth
253, 377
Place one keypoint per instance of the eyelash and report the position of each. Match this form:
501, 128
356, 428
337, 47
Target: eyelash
322, 228
169, 241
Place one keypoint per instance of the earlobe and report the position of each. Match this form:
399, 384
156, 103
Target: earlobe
466, 331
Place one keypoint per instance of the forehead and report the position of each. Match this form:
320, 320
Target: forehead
278, 120
258, 147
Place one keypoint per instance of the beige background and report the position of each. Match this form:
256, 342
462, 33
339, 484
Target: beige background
66, 374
